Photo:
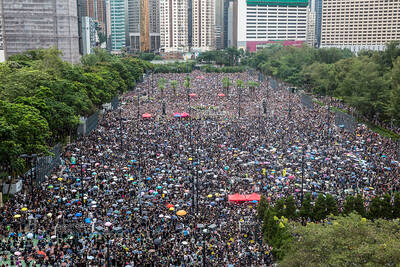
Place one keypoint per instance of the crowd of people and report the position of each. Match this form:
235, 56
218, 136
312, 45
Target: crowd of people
154, 191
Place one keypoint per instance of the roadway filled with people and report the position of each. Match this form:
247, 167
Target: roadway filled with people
150, 185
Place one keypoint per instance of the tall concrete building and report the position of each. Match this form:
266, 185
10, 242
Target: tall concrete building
2, 52
117, 22
36, 24
360, 24
89, 35
94, 9
144, 25
219, 24
318, 20
203, 25
229, 26
226, 25
259, 22
174, 26
311, 25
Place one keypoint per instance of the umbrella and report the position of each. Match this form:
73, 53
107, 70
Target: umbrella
24, 209
17, 253
181, 213
221, 94
157, 241
212, 226
108, 224
78, 214
177, 115
184, 115
117, 229
192, 95
88, 220
29, 235
17, 216
169, 206
41, 253
99, 228
146, 116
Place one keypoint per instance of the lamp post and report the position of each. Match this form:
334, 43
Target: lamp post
33, 161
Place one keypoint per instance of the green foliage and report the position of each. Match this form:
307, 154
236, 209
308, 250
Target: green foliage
306, 207
369, 82
262, 207
147, 56
228, 69
344, 241
174, 67
290, 208
42, 97
227, 57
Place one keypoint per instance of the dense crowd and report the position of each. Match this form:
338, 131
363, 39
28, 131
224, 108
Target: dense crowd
89, 213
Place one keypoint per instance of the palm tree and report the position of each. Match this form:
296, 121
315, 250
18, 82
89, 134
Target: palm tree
173, 84
161, 85
252, 86
226, 83
187, 85
239, 85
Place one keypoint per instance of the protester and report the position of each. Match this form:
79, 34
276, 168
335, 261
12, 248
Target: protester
89, 213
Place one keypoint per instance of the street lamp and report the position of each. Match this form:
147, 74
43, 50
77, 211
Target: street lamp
33, 161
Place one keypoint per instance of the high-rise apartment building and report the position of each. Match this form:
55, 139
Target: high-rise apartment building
2, 53
311, 27
318, 20
94, 9
117, 22
144, 25
203, 25
226, 23
229, 26
360, 24
174, 26
219, 24
262, 21
36, 24
89, 35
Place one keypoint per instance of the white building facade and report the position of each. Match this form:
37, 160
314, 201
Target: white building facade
173, 26
260, 21
359, 24
203, 25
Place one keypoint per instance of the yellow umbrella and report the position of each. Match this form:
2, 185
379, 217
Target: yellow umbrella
172, 208
17, 216
24, 209
60, 179
210, 196
181, 212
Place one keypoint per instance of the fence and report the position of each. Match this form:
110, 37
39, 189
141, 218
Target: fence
46, 164
260, 77
274, 84
345, 120
307, 101
114, 103
91, 122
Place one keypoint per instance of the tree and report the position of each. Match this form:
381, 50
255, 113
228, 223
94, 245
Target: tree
161, 85
262, 207
226, 83
386, 207
252, 86
359, 206
348, 206
290, 210
374, 211
319, 210
279, 207
344, 241
174, 84
306, 208
331, 205
396, 205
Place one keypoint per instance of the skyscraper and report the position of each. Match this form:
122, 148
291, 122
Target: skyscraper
359, 24
318, 21
219, 24
117, 14
36, 24
2, 53
260, 22
203, 25
173, 26
144, 25
311, 25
